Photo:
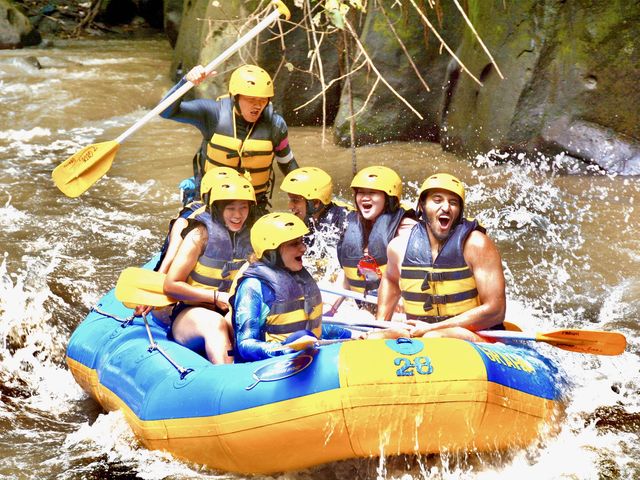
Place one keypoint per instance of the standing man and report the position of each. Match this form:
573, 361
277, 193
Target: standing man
447, 270
240, 130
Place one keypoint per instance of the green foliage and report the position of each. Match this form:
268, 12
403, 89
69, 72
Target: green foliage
336, 11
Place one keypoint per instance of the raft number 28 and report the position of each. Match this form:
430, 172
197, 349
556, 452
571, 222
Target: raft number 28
421, 365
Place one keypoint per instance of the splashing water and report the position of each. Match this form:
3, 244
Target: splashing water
567, 236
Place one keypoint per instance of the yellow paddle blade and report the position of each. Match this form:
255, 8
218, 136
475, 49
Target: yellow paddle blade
139, 286
596, 342
77, 173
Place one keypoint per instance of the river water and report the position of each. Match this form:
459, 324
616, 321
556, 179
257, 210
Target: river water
568, 238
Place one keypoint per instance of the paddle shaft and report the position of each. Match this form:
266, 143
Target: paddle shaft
595, 342
264, 23
349, 294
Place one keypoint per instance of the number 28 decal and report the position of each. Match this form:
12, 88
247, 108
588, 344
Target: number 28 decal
421, 365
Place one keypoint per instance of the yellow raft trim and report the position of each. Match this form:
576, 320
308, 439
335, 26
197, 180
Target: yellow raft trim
451, 409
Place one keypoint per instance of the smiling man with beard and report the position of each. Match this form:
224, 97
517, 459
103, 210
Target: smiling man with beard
447, 270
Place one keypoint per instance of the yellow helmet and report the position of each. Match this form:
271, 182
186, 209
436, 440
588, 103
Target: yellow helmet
252, 81
214, 174
443, 181
379, 178
231, 187
311, 183
274, 229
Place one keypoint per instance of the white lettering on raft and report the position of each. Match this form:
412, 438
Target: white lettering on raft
507, 359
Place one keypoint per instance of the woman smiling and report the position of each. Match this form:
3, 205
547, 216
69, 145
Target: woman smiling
205, 265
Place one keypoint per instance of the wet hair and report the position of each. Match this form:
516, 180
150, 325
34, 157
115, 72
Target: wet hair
272, 258
217, 207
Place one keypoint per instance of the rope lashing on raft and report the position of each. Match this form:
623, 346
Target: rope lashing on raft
153, 346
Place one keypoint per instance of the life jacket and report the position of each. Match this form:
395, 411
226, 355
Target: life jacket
436, 290
298, 302
351, 247
253, 153
224, 254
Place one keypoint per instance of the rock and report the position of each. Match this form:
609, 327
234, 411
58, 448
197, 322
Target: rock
570, 69
571, 73
152, 11
295, 85
199, 42
117, 12
385, 117
15, 29
593, 143
172, 18
33, 61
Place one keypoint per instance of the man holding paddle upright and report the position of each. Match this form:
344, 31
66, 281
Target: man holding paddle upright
240, 130
447, 270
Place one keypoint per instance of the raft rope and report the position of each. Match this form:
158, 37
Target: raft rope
154, 346
152, 343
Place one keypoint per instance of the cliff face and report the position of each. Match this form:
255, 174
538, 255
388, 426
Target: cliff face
569, 70
15, 29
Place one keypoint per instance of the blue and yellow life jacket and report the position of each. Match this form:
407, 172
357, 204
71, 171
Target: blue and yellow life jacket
351, 247
224, 254
436, 290
298, 302
253, 154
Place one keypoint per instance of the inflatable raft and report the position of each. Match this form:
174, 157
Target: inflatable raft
353, 399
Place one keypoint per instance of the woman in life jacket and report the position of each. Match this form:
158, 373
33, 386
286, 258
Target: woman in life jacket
179, 227
274, 297
205, 265
379, 217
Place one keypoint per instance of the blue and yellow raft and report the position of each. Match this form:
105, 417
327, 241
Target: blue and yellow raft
354, 399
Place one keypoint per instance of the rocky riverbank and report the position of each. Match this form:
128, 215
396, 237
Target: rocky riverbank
25, 23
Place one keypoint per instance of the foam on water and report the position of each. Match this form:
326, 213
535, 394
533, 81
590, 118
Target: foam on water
65, 253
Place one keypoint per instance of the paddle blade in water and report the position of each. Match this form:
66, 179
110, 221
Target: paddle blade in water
77, 173
596, 342
139, 286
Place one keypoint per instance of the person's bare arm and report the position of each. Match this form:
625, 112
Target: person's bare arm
389, 290
175, 284
483, 258
175, 240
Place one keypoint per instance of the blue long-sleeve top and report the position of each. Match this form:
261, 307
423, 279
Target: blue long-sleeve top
252, 305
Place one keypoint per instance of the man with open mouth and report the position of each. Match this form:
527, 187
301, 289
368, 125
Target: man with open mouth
240, 130
447, 270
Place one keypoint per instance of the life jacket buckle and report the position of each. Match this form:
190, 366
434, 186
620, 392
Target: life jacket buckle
426, 285
428, 304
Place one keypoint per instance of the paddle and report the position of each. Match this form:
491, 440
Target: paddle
79, 172
595, 342
140, 286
